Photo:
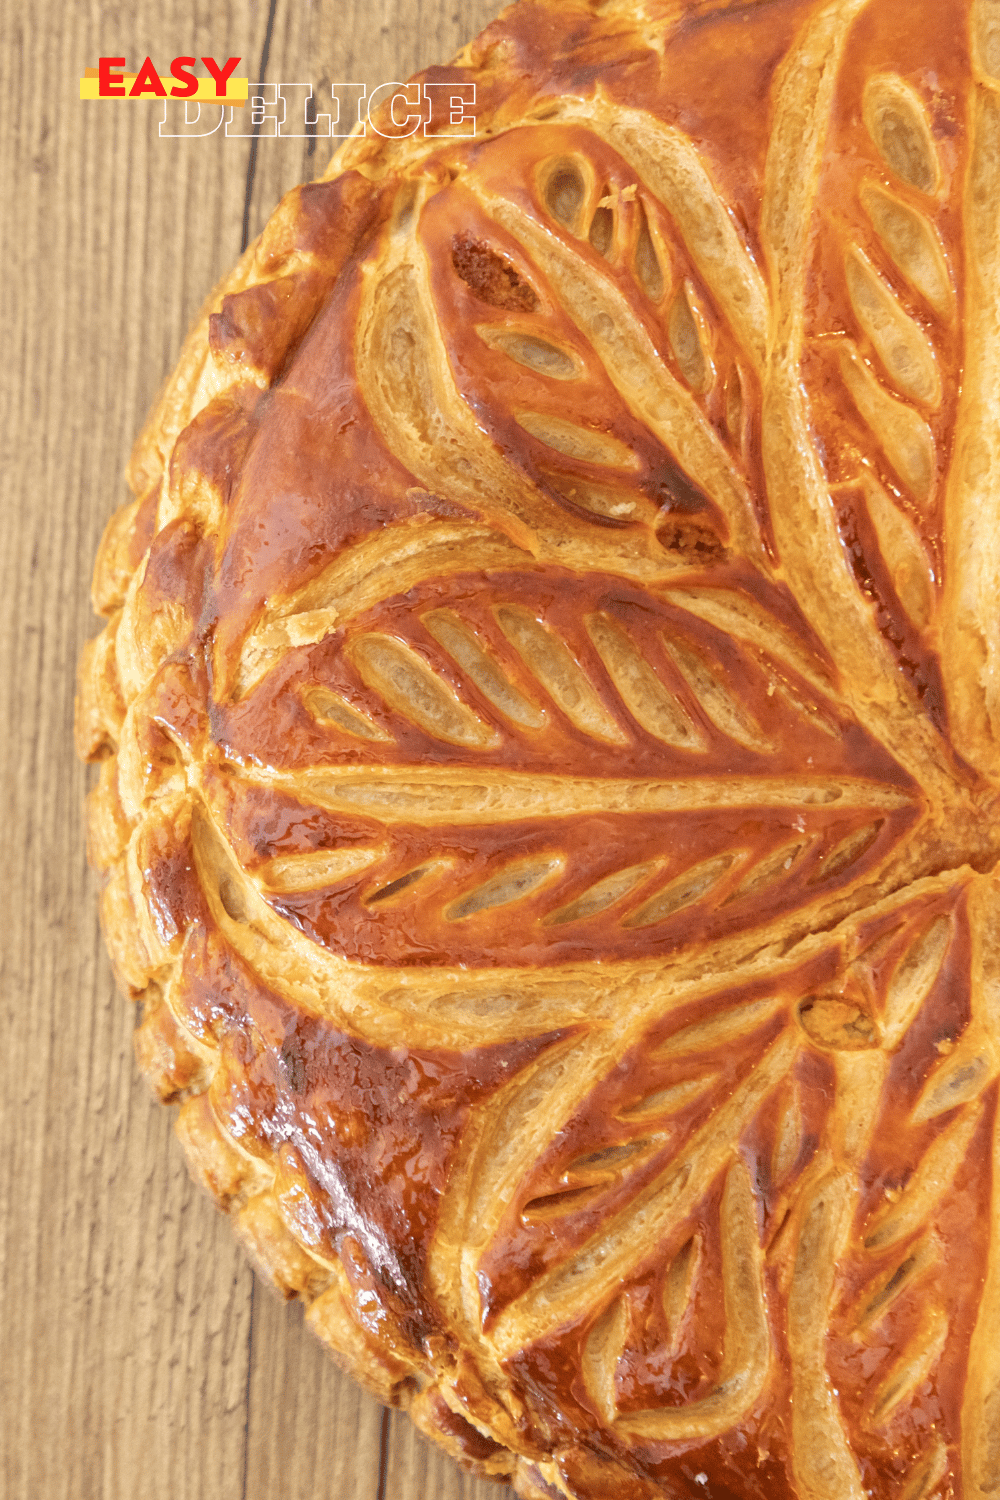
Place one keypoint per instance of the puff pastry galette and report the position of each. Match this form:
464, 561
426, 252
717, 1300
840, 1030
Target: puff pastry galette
549, 717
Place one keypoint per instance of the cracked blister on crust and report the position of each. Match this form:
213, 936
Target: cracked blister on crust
547, 722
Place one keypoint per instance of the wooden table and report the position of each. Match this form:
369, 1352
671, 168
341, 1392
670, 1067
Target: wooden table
139, 1359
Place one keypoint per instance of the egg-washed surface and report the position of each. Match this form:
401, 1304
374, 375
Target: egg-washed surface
548, 734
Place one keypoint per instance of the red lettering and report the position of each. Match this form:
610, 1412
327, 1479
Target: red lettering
147, 81
220, 74
179, 69
110, 85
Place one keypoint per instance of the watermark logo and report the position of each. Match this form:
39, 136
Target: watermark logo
110, 81
393, 110
195, 107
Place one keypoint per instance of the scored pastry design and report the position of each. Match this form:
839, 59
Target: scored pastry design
548, 722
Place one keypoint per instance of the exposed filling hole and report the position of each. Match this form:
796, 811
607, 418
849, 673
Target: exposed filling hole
406, 202
903, 149
836, 1024
898, 125
395, 886
328, 708
535, 354
847, 851
490, 277
608, 1158
719, 704
602, 231
602, 895
912, 244
690, 537
647, 264
510, 885
409, 685
607, 501
901, 344
463, 646
232, 898
682, 892
551, 662
312, 871
965, 1083
564, 193
678, 1284
734, 405
687, 341
891, 1289
575, 441
647, 698
556, 1204
769, 870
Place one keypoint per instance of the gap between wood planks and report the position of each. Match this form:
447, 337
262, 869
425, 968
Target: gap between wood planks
383, 1454
253, 1300
252, 163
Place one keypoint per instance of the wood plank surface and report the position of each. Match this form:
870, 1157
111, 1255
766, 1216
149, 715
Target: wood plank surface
138, 1359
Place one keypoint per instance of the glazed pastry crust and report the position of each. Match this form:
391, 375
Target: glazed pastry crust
548, 724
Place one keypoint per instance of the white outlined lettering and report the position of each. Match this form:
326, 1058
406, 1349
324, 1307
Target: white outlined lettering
291, 111
301, 118
392, 94
449, 109
263, 112
184, 117
349, 99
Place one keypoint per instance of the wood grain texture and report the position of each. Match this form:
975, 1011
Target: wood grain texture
138, 1360
311, 1432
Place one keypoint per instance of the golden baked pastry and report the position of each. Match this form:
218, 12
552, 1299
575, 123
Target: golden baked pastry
549, 718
